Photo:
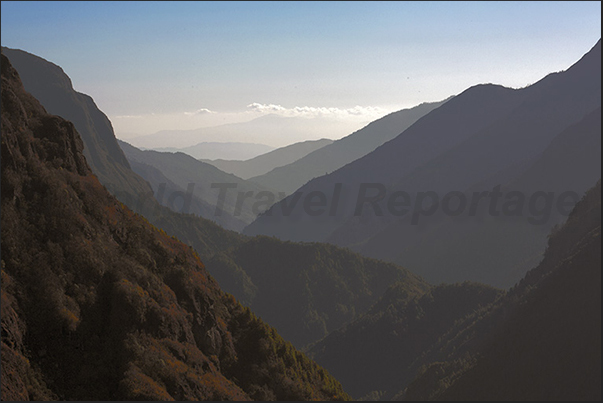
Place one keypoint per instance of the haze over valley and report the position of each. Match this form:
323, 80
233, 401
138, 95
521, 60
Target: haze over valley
301, 201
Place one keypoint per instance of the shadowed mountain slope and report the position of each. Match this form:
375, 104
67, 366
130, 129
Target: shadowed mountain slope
53, 88
184, 184
290, 177
214, 150
178, 200
270, 160
484, 137
571, 163
97, 304
436, 132
540, 340
361, 280
544, 341
310, 289
373, 353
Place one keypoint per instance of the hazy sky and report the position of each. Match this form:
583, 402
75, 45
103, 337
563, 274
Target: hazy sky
180, 65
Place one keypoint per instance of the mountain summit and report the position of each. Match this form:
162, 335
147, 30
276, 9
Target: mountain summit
485, 137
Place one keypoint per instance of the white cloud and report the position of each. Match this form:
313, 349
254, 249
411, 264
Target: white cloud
314, 123
264, 108
364, 112
202, 111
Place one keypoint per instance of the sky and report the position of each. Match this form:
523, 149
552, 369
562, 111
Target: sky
153, 66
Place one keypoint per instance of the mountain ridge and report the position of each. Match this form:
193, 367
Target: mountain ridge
473, 342
290, 177
215, 150
266, 162
54, 89
186, 172
535, 318
488, 132
97, 304
272, 129
218, 248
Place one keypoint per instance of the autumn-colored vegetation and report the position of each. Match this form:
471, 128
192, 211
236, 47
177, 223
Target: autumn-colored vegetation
97, 304
303, 290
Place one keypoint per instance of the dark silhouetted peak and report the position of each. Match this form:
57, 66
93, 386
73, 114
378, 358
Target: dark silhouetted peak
484, 137
55, 140
593, 58
43, 73
52, 87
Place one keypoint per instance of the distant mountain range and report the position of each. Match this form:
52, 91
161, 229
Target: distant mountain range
484, 137
179, 197
214, 151
267, 162
195, 177
53, 88
289, 178
303, 269
102, 301
272, 129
